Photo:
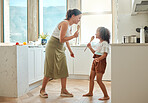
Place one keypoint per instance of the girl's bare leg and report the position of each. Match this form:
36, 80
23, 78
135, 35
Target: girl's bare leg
91, 84
102, 86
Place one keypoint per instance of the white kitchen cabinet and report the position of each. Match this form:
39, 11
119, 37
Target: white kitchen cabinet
83, 61
31, 64
69, 60
36, 58
129, 73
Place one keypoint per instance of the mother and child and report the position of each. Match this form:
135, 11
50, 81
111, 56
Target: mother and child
55, 60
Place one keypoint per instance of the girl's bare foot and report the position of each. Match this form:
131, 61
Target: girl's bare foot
104, 98
88, 94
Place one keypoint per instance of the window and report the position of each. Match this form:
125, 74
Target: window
96, 13
51, 12
15, 21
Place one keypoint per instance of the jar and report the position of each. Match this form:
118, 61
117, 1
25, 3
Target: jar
126, 39
133, 39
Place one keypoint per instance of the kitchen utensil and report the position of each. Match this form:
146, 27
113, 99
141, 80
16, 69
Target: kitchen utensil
138, 30
142, 36
138, 40
133, 39
78, 27
126, 39
92, 38
130, 39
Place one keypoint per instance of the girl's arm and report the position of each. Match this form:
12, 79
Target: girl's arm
63, 30
90, 47
68, 46
101, 57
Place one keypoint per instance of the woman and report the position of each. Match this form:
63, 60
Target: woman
55, 59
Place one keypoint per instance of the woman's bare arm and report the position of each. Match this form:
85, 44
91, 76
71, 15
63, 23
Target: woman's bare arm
63, 30
68, 46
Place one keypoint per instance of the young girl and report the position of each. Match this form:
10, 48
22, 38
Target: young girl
99, 62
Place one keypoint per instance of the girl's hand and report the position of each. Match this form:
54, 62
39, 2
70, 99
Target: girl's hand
76, 34
72, 54
97, 59
89, 45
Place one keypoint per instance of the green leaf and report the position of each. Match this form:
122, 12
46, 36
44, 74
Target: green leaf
44, 36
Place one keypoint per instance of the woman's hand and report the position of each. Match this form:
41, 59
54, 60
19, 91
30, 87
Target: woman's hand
76, 34
97, 59
72, 54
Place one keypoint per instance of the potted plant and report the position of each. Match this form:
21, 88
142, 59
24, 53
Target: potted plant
43, 40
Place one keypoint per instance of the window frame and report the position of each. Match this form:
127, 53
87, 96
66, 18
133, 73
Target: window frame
39, 30
2, 22
98, 13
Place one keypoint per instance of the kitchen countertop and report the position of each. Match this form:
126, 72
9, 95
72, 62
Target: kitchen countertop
33, 46
129, 44
83, 45
13, 44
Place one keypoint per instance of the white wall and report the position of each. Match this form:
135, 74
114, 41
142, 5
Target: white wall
127, 24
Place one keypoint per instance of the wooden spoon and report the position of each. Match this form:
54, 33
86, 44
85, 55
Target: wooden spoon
92, 38
78, 27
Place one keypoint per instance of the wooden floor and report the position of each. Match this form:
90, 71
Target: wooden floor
77, 87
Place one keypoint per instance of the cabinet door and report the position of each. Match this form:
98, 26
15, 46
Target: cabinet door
69, 60
39, 63
82, 61
36, 57
43, 61
31, 65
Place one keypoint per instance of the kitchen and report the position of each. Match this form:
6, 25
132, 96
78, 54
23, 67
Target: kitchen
124, 23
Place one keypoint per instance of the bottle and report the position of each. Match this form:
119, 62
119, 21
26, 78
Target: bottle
142, 36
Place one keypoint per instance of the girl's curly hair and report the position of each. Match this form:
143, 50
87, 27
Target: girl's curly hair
104, 33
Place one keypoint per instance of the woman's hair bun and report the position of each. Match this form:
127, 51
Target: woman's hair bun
72, 12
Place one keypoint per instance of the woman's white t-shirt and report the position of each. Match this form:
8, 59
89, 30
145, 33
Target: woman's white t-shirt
102, 47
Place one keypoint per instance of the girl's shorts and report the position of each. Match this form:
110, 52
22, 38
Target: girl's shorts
99, 67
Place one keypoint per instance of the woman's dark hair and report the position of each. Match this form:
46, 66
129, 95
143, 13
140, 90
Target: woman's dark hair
72, 12
104, 33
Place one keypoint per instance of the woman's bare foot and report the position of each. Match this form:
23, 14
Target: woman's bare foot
65, 93
104, 98
43, 94
88, 94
